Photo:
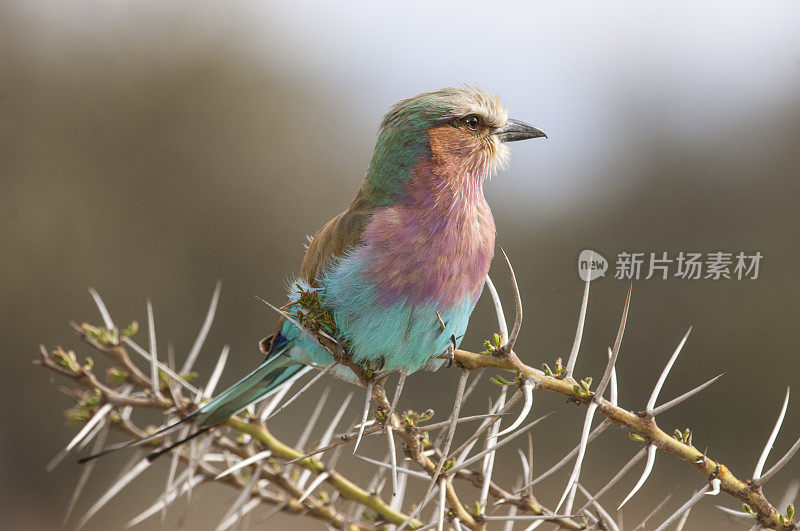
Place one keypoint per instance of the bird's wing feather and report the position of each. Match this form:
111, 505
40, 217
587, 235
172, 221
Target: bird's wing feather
337, 237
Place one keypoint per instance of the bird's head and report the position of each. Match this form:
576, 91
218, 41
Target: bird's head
460, 131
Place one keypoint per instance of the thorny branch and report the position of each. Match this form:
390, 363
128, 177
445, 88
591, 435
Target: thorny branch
245, 455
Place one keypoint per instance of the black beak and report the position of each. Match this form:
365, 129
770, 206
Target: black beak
515, 130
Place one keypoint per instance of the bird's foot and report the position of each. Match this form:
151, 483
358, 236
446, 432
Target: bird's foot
451, 351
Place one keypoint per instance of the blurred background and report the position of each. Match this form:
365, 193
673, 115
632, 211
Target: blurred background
150, 149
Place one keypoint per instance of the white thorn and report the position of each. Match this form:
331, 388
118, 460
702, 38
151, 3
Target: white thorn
244, 510
314, 484
526, 469
208, 392
512, 512
512, 336
566, 459
495, 413
529, 476
527, 388
364, 414
488, 461
790, 495
601, 387
613, 393
498, 307
409, 472
738, 514
614, 352
771, 440
624, 470
376, 482
780, 464
648, 467
400, 383
682, 521
195, 458
113, 490
685, 396
653, 513
104, 410
151, 329
326, 436
528, 518
173, 468
303, 389
416, 512
103, 310
683, 508
87, 470
203, 333
715, 487
270, 406
576, 469
260, 456
312, 420
661, 379
146, 355
166, 499
603, 513
392, 457
576, 343
505, 441
234, 512
462, 382
442, 498
397, 500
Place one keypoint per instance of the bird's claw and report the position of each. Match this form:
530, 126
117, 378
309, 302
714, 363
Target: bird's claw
451, 351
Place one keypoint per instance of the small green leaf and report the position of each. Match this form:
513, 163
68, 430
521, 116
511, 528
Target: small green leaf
130, 330
790, 512
636, 437
116, 376
425, 415
499, 380
66, 359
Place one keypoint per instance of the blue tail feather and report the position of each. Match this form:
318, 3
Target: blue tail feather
269, 377
259, 384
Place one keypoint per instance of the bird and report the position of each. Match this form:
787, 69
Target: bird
394, 278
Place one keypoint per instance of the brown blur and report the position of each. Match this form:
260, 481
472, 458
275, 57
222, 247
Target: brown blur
148, 152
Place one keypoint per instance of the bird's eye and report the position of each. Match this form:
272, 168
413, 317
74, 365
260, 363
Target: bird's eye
472, 121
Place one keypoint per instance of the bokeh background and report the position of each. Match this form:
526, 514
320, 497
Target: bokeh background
151, 148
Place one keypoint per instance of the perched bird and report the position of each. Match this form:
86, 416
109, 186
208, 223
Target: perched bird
395, 277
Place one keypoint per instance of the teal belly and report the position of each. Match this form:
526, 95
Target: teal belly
401, 335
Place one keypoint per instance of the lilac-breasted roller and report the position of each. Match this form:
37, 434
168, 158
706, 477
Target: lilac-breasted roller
401, 269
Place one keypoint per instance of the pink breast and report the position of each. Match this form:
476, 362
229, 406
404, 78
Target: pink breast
430, 252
